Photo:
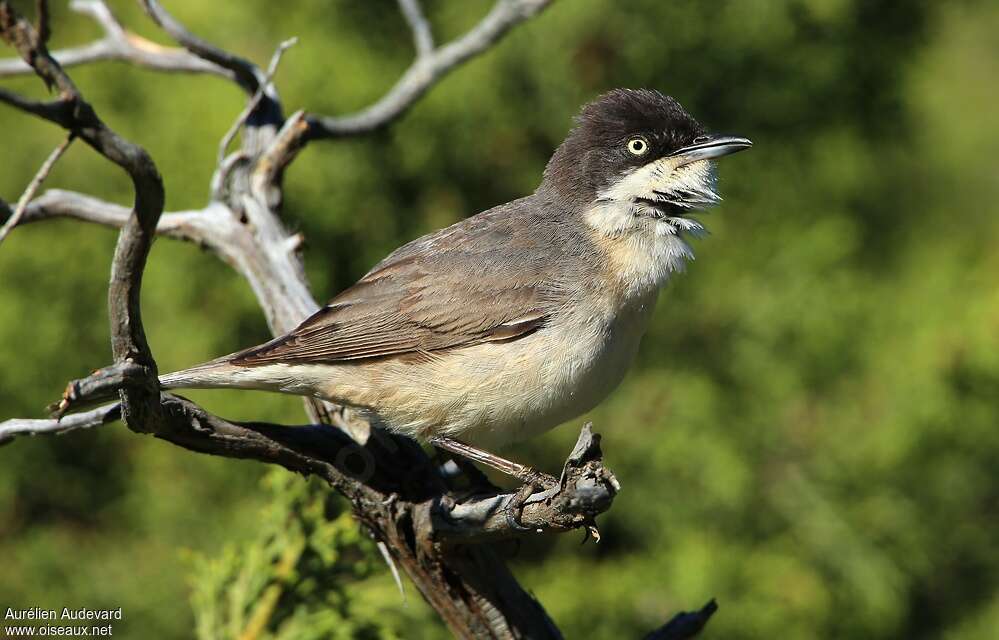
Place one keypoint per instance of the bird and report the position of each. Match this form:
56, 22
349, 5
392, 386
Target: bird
522, 317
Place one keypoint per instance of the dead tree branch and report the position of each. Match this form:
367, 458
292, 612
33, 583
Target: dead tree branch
119, 44
423, 37
9, 429
255, 100
684, 625
429, 67
395, 489
246, 74
29, 193
198, 226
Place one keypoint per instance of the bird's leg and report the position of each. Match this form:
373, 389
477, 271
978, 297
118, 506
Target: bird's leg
477, 480
526, 474
531, 477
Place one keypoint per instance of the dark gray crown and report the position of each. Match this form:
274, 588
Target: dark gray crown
594, 154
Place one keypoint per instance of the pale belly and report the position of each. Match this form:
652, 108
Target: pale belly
496, 393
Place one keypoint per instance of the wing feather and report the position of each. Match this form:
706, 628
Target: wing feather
461, 286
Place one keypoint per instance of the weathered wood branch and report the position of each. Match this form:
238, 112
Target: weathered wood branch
10, 429
29, 193
423, 37
198, 225
100, 386
685, 624
246, 74
428, 68
128, 341
119, 44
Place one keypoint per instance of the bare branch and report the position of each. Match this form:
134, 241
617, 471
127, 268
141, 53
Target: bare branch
18, 33
271, 268
120, 44
423, 37
252, 104
429, 69
128, 340
246, 74
266, 115
685, 625
426, 71
101, 385
199, 225
42, 15
9, 429
290, 139
29, 193
54, 111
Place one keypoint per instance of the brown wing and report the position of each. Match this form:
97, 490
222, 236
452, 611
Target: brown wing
470, 283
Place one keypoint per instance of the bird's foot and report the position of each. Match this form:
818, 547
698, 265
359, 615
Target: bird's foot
534, 481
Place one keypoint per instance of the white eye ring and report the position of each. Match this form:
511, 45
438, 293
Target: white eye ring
638, 146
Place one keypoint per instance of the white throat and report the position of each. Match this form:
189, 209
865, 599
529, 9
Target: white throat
645, 242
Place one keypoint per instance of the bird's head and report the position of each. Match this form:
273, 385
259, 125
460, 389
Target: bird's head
636, 162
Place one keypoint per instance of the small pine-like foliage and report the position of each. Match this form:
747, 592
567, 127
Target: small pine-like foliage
293, 580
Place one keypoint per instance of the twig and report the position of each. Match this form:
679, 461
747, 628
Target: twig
202, 226
29, 193
18, 33
120, 44
428, 70
685, 625
254, 101
128, 340
102, 384
52, 111
9, 429
387, 557
266, 116
423, 37
42, 15
246, 74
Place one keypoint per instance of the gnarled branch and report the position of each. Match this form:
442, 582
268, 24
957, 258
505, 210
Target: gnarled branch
429, 67
244, 72
122, 45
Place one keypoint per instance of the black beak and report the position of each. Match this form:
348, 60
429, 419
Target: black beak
708, 147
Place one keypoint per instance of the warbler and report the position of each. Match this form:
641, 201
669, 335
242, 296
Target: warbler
519, 318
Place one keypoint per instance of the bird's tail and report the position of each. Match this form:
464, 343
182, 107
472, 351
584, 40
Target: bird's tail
221, 373
215, 374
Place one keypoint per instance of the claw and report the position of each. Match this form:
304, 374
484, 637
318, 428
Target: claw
515, 507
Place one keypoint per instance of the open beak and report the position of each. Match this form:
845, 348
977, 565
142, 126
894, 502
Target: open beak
709, 147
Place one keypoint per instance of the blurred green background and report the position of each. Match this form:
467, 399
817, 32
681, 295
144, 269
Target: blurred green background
809, 433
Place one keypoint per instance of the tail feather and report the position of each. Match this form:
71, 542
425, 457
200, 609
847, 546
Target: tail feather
221, 373
218, 373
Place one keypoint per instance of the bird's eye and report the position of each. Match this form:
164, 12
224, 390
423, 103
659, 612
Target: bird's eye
638, 146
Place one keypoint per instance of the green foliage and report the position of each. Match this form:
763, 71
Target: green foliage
809, 433
292, 580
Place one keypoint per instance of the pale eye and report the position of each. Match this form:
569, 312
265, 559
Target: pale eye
638, 146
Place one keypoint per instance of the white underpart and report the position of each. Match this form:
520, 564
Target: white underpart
648, 244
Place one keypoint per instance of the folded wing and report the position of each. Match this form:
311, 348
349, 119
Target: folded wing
458, 287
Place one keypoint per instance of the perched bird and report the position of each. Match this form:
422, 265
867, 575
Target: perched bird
522, 317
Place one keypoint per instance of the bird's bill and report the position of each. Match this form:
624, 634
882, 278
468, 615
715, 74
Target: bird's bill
713, 147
